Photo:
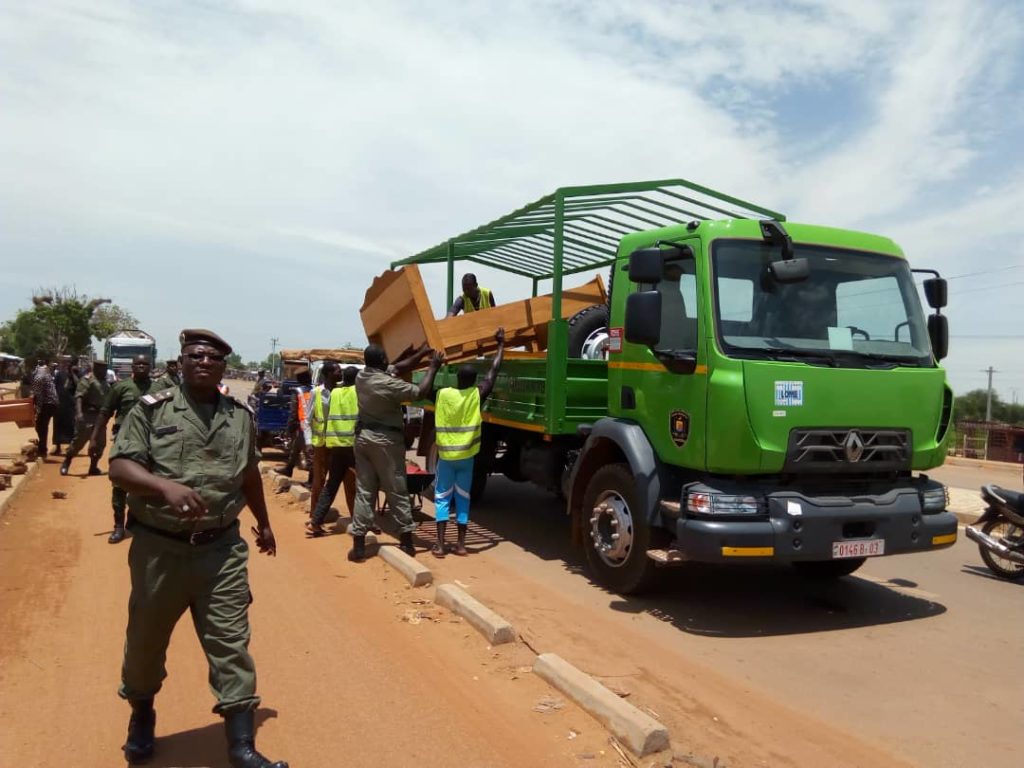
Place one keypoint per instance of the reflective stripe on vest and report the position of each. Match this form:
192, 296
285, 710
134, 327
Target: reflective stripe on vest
486, 302
457, 423
317, 422
341, 418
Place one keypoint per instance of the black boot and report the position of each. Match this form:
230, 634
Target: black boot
405, 544
438, 549
141, 725
117, 535
94, 465
241, 731
358, 552
460, 545
65, 465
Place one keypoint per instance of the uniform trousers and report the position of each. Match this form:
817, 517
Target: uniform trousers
454, 480
83, 433
211, 581
342, 471
321, 463
380, 466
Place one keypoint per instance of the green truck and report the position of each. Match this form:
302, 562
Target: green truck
754, 390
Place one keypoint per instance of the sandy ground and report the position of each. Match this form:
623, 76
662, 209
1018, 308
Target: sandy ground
914, 661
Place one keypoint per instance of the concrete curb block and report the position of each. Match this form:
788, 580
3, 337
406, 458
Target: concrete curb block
300, 493
415, 572
640, 732
17, 483
484, 620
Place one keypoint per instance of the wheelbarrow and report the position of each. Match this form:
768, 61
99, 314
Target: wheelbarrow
418, 483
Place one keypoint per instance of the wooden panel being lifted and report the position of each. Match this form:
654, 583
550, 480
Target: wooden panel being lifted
396, 314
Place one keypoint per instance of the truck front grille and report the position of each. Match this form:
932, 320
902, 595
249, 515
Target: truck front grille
848, 450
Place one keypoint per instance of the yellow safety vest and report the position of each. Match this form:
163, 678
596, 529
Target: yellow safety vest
486, 302
317, 422
341, 418
457, 423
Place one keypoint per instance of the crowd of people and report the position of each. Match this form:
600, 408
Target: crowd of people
184, 464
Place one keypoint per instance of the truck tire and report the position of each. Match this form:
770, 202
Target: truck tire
824, 570
611, 507
588, 332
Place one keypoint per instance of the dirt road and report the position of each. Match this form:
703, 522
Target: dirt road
913, 661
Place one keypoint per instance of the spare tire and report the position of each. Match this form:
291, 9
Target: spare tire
588, 333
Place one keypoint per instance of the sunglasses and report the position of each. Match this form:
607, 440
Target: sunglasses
199, 356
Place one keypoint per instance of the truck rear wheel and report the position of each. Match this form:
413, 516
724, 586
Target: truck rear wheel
617, 534
588, 333
829, 569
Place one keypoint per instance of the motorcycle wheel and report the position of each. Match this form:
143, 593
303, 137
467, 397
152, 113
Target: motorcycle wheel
1001, 567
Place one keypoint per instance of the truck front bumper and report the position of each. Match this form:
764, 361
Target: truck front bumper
806, 527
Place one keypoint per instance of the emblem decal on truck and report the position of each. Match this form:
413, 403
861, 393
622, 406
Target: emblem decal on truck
679, 427
789, 393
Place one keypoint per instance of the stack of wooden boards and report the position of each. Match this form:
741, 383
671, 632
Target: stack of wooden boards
396, 314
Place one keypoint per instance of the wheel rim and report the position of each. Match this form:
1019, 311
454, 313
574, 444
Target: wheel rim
1003, 531
611, 529
595, 346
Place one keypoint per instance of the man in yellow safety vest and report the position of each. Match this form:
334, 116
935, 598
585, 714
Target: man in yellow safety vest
314, 428
457, 429
340, 439
473, 297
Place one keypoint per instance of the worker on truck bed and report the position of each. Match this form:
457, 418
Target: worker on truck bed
473, 297
458, 423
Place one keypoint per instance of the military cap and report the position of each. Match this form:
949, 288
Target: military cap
202, 336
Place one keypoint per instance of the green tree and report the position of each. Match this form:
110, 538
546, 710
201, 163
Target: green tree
971, 407
234, 360
108, 320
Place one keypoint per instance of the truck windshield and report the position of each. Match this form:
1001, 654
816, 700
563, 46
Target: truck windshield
856, 309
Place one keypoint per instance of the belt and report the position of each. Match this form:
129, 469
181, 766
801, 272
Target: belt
195, 538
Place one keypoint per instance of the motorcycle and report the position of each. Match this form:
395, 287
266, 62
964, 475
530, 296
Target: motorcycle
999, 532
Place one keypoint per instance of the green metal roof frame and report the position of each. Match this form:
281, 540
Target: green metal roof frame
577, 229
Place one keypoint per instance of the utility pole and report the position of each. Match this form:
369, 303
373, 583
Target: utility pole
273, 362
988, 401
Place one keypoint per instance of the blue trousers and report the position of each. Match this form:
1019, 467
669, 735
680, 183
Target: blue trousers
453, 481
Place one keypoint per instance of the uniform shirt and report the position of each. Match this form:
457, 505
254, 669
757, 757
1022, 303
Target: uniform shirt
92, 391
165, 382
380, 397
168, 434
123, 396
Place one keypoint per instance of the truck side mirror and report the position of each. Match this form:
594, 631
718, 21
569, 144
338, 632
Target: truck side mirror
646, 265
935, 291
643, 317
789, 270
938, 332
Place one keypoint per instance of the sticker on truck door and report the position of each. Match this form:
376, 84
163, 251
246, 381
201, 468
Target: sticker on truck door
614, 339
789, 393
679, 427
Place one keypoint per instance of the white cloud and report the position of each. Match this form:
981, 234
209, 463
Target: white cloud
336, 138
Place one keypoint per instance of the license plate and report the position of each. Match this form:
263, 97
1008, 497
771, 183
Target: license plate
861, 548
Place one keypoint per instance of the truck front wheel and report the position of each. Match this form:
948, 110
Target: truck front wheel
617, 534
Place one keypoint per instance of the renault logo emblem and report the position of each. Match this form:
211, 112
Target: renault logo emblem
854, 447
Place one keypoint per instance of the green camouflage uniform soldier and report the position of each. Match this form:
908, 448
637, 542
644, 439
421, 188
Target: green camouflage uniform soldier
171, 377
187, 457
380, 447
121, 398
89, 396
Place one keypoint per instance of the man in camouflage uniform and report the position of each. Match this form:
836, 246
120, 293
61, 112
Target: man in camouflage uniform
121, 398
187, 457
89, 396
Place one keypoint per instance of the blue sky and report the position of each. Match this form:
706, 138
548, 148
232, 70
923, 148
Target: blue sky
250, 165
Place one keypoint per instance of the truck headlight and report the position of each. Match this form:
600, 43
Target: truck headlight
935, 499
699, 503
